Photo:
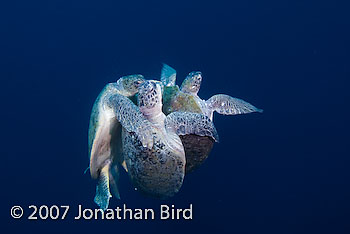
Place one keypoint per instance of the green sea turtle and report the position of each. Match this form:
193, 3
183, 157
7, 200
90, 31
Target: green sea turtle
185, 99
149, 141
159, 171
105, 137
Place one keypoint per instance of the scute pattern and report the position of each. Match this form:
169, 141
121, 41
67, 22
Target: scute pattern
158, 172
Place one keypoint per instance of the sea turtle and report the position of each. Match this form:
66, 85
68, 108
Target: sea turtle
149, 141
105, 137
159, 171
185, 99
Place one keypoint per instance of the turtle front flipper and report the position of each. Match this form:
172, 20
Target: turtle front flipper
131, 118
168, 75
227, 105
102, 189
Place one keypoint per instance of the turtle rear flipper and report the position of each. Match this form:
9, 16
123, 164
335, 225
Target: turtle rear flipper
108, 149
227, 105
102, 189
114, 179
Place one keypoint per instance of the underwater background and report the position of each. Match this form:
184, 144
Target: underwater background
283, 171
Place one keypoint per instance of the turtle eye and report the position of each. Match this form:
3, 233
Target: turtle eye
137, 83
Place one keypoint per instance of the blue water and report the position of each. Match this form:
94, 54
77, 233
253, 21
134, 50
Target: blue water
283, 171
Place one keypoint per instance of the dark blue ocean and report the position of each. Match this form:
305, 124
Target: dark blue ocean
283, 171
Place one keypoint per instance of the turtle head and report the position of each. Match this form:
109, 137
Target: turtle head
150, 97
130, 84
192, 83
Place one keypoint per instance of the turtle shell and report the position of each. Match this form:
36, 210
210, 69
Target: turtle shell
197, 148
156, 172
175, 100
